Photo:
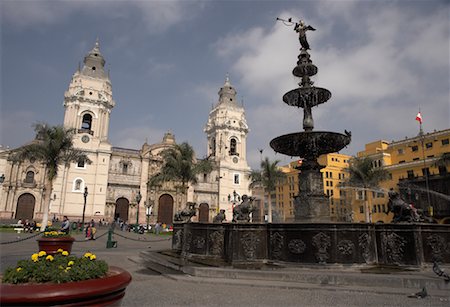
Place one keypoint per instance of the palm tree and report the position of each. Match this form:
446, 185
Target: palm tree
268, 177
443, 160
53, 146
181, 165
363, 174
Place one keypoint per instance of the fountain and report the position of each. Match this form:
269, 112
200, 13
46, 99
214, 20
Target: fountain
311, 205
312, 238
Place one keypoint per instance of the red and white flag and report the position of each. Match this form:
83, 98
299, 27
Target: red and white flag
419, 117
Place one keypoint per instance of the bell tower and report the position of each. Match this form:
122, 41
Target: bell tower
88, 103
226, 132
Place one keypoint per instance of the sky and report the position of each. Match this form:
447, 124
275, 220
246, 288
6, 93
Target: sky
381, 60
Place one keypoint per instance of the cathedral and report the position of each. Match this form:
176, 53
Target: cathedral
115, 184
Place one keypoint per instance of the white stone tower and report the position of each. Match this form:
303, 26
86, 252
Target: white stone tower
227, 131
88, 103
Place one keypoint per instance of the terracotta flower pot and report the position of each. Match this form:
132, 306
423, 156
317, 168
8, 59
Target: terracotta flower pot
51, 245
104, 291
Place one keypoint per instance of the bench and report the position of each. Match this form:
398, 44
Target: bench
18, 229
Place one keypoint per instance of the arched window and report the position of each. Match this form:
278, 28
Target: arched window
87, 122
29, 178
78, 185
233, 147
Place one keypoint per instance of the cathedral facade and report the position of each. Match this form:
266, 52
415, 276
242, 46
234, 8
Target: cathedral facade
115, 185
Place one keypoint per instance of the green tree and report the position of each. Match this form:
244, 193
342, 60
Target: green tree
181, 165
363, 174
268, 177
53, 147
443, 160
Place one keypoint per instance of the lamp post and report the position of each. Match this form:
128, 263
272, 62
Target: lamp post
85, 194
138, 200
148, 212
425, 171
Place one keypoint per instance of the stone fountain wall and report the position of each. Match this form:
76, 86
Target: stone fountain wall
326, 243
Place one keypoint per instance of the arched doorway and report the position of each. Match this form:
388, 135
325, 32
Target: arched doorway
121, 212
25, 207
203, 213
165, 209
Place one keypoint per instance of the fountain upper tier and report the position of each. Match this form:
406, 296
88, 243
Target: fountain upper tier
306, 96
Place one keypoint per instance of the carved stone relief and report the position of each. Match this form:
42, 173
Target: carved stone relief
216, 243
249, 242
277, 243
392, 246
297, 246
199, 242
187, 242
439, 247
364, 242
346, 247
177, 239
321, 242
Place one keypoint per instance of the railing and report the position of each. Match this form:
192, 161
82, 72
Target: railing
85, 131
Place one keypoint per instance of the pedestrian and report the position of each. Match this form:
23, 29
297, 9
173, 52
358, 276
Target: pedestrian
93, 230
157, 227
88, 233
65, 226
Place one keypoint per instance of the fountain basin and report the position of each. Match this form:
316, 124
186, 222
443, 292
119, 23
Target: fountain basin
310, 143
323, 243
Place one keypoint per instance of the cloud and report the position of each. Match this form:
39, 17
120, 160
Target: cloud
395, 60
135, 136
157, 16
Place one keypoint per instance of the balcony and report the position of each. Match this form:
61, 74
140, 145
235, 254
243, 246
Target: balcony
85, 131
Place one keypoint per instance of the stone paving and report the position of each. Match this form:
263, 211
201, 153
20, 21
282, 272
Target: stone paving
150, 288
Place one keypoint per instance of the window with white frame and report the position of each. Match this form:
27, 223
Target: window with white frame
236, 179
81, 163
78, 185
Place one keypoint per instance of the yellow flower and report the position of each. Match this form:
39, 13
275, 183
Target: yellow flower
42, 253
19, 269
67, 269
35, 257
70, 263
92, 257
60, 250
87, 255
49, 257
65, 253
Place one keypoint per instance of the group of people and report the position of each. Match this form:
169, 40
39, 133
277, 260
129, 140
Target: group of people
27, 226
90, 229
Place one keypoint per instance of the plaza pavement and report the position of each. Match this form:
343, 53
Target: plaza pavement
151, 288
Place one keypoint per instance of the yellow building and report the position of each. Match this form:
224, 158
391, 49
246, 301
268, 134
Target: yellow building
414, 171
333, 174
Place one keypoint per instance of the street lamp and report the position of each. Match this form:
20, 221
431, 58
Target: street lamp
148, 211
85, 194
138, 200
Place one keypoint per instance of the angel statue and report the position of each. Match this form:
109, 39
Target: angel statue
301, 29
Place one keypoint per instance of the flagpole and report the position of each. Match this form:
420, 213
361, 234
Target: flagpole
425, 169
